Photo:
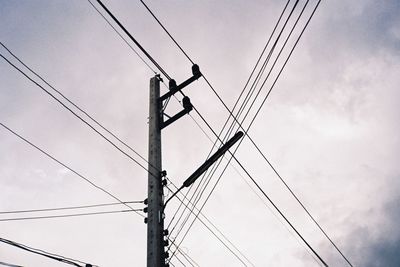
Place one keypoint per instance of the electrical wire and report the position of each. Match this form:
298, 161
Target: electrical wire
67, 215
215, 235
69, 168
134, 40
232, 114
122, 37
46, 254
200, 188
162, 26
74, 113
215, 166
69, 208
9, 264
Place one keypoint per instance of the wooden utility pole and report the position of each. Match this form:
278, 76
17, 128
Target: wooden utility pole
155, 220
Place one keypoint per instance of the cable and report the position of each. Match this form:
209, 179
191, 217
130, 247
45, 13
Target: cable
9, 264
67, 215
69, 168
123, 38
76, 115
134, 40
162, 26
43, 253
214, 168
46, 254
240, 125
209, 229
237, 101
69, 208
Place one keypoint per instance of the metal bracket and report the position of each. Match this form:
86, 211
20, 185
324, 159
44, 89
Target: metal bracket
173, 88
187, 107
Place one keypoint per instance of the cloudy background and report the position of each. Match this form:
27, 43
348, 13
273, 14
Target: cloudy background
330, 127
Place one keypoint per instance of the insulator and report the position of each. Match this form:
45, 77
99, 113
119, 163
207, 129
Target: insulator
186, 103
165, 232
196, 70
172, 84
145, 210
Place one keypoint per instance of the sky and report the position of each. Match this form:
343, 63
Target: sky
330, 127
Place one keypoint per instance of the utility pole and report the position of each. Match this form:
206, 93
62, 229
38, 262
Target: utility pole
156, 255
155, 201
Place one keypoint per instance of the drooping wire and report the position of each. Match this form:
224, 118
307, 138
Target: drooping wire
331, 241
9, 264
134, 40
70, 208
214, 234
75, 114
46, 254
69, 168
162, 26
67, 215
122, 37
242, 108
215, 166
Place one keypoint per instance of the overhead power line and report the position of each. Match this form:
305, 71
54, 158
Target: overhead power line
239, 257
71, 111
247, 172
46, 254
69, 168
67, 215
226, 107
134, 40
9, 264
122, 37
70, 208
214, 168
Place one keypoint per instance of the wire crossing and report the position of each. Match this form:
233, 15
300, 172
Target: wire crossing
68, 215
134, 40
52, 256
69, 168
70, 208
231, 114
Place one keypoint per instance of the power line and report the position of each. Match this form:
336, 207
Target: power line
9, 264
69, 208
134, 40
246, 134
73, 112
46, 254
68, 215
214, 168
69, 168
214, 234
122, 37
162, 26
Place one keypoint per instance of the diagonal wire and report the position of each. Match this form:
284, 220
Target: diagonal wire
122, 37
45, 253
69, 168
67, 215
134, 40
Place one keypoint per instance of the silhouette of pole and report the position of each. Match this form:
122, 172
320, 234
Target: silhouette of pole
155, 220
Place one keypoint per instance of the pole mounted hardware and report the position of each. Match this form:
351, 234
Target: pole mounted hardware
210, 161
156, 234
173, 88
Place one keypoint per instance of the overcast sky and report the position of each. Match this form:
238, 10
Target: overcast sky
330, 127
